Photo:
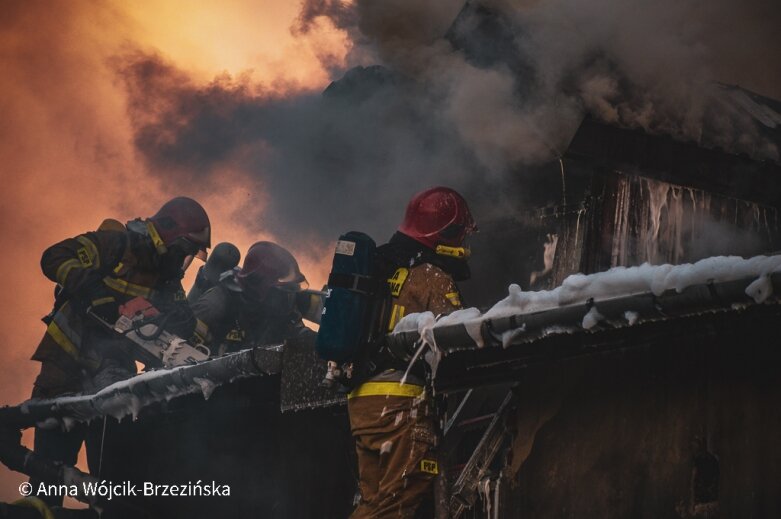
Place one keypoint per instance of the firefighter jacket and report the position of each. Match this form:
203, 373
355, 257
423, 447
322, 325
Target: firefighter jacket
228, 321
200, 286
420, 288
421, 281
102, 270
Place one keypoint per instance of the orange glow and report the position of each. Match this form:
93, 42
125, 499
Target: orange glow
67, 147
234, 36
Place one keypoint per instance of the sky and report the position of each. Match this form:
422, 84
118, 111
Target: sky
110, 108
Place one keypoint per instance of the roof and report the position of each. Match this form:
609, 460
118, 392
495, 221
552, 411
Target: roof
618, 309
738, 104
682, 163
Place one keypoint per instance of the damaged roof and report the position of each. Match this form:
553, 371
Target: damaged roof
621, 309
763, 111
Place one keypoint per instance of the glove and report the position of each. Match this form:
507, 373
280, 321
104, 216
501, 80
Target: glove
100, 300
178, 319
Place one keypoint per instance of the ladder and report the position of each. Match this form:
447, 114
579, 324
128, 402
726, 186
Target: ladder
470, 415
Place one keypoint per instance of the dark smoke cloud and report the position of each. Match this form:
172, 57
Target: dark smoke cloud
466, 95
349, 158
639, 64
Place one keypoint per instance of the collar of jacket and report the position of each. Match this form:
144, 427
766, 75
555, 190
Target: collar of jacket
402, 250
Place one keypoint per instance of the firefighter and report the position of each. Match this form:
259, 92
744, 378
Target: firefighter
97, 272
394, 424
256, 304
223, 257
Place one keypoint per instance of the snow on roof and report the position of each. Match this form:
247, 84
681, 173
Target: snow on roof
616, 282
130, 396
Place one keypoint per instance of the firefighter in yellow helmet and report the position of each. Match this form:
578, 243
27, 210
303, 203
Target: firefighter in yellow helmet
99, 271
394, 424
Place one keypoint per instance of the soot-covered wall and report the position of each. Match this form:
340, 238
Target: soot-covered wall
683, 423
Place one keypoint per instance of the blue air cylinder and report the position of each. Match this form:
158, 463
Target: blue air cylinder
344, 325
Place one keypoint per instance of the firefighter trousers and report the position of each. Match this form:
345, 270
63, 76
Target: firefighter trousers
395, 439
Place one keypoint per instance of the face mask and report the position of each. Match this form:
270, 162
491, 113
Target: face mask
170, 265
278, 301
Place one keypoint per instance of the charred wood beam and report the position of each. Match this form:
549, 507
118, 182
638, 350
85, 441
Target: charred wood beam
532, 327
749, 329
132, 395
692, 300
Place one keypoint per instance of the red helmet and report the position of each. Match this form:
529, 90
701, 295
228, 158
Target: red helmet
267, 265
182, 221
438, 216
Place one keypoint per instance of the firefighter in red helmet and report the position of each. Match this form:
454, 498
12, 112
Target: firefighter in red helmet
180, 231
255, 304
439, 218
97, 272
393, 423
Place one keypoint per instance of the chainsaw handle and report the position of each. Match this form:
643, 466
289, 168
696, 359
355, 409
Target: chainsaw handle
153, 336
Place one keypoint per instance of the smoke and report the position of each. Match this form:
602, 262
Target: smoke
649, 65
469, 95
110, 108
640, 64
349, 157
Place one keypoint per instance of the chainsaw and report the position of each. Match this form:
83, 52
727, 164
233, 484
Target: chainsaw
142, 324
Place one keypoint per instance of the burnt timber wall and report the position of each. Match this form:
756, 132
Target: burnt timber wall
278, 465
681, 419
683, 422
713, 203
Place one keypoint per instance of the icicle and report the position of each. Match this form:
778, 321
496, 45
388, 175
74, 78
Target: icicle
68, 423
496, 498
767, 225
621, 216
488, 503
207, 386
695, 219
760, 289
591, 319
510, 335
657, 192
577, 225
674, 224
631, 317
563, 184
484, 489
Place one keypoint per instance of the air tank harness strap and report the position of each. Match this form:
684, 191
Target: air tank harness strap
353, 282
